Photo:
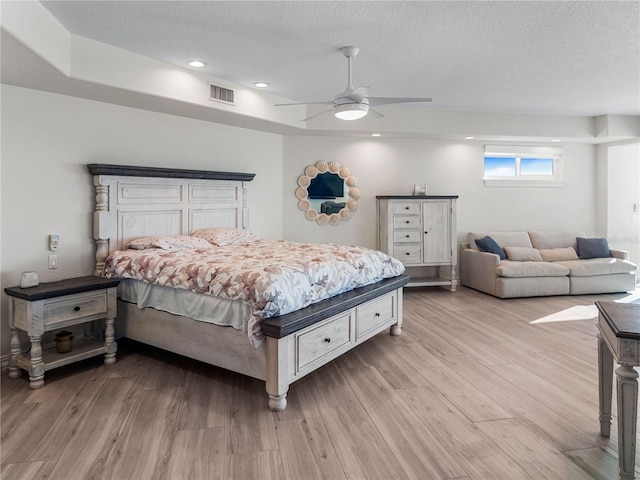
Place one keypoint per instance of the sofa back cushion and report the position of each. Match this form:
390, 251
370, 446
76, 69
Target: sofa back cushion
504, 239
544, 240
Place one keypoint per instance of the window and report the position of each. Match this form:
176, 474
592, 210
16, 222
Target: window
516, 165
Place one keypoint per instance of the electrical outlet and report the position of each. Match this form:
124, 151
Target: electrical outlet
53, 261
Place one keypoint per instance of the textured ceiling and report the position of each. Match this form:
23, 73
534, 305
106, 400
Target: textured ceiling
547, 57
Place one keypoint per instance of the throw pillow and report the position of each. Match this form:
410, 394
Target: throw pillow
169, 242
488, 244
593, 248
223, 236
523, 254
558, 254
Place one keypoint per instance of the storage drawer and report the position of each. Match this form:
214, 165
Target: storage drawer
406, 221
407, 236
76, 306
408, 208
374, 314
408, 253
319, 342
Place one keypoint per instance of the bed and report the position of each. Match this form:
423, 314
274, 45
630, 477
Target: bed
137, 202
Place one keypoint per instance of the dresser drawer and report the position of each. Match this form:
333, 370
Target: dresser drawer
71, 307
407, 208
407, 236
319, 342
406, 221
408, 254
374, 314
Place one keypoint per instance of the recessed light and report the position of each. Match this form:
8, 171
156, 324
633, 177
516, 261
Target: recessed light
469, 138
261, 84
197, 63
376, 134
555, 139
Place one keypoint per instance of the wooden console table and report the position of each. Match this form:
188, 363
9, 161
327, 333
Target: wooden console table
619, 339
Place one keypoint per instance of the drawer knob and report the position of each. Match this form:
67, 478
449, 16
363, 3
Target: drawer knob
407, 236
77, 309
408, 253
328, 340
406, 208
407, 221
377, 314
426, 233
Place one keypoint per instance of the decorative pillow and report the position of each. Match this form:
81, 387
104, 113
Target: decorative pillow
488, 244
558, 254
225, 236
169, 242
523, 254
593, 248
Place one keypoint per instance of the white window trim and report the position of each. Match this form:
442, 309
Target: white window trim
521, 151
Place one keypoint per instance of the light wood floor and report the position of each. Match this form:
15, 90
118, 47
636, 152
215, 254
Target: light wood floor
472, 389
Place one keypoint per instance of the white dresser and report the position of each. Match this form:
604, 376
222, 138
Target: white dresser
420, 231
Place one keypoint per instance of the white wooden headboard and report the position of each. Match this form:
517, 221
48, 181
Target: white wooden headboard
135, 202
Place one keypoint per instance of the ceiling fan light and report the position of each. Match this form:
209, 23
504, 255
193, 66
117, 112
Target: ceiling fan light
351, 111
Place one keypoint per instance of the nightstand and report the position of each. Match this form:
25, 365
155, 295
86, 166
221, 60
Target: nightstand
55, 305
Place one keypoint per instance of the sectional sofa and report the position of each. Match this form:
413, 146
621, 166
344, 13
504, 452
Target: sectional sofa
541, 263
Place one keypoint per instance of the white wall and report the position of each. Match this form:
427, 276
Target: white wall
48, 139
391, 166
623, 187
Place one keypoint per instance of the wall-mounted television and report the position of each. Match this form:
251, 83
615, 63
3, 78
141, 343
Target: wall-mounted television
326, 185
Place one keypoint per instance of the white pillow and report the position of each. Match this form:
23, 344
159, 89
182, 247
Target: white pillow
225, 236
523, 254
169, 242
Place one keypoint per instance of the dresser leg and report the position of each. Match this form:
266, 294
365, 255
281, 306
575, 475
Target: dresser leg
14, 342
36, 369
627, 389
112, 346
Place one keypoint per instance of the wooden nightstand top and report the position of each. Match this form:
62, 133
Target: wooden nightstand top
62, 287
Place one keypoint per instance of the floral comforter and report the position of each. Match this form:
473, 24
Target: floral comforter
274, 277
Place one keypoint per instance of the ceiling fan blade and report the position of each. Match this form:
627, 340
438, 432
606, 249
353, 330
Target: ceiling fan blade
358, 94
391, 100
329, 102
316, 115
377, 113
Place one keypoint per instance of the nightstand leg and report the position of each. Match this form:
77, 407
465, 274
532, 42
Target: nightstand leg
14, 370
36, 369
112, 346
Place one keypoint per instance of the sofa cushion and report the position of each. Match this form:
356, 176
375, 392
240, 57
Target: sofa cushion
543, 240
598, 266
593, 248
558, 254
523, 254
508, 268
513, 239
488, 244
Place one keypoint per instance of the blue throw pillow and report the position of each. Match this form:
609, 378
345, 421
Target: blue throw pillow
593, 248
488, 244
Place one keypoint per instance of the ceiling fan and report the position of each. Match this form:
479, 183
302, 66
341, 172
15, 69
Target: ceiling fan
354, 103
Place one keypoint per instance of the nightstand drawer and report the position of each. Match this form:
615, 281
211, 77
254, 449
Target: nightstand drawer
319, 342
374, 314
406, 221
407, 208
71, 307
408, 253
407, 236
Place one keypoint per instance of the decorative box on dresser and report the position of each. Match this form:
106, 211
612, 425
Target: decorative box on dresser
420, 231
56, 305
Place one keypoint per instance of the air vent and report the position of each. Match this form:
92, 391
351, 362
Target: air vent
220, 94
